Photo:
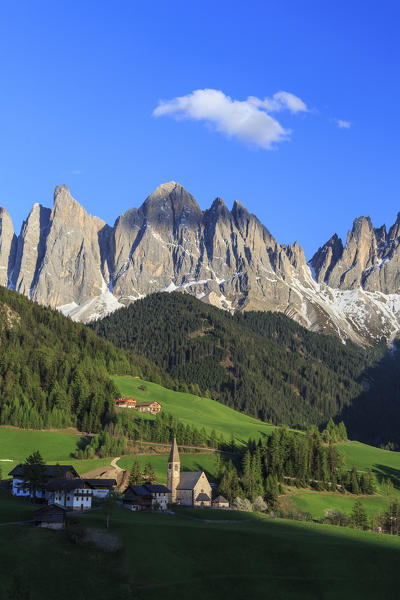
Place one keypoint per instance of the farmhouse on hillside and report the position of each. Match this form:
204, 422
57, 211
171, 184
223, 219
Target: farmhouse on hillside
190, 488
152, 407
125, 402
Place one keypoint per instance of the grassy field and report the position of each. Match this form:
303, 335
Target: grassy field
382, 462
54, 446
317, 502
175, 557
189, 462
201, 412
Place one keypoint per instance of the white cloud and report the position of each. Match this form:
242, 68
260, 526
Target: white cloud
343, 124
247, 120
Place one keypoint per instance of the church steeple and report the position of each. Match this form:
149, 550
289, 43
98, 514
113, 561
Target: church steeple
174, 454
174, 470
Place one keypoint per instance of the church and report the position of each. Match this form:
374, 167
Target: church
190, 488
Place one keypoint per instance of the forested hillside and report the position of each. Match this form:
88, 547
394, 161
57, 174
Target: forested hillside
54, 372
263, 364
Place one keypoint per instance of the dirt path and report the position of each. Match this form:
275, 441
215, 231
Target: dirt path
112, 471
114, 464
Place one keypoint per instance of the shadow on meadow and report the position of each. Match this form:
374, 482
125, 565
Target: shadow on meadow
384, 471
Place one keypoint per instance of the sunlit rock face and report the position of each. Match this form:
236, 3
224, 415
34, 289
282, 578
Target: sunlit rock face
68, 259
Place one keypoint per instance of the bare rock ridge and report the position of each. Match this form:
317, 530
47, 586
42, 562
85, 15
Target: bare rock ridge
70, 260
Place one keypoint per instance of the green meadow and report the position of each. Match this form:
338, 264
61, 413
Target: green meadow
54, 446
175, 557
382, 462
201, 412
316, 503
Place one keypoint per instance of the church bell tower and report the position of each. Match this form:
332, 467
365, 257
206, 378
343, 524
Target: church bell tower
174, 470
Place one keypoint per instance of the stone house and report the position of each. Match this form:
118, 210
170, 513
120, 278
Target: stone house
220, 502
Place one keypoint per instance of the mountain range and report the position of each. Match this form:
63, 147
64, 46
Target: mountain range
67, 259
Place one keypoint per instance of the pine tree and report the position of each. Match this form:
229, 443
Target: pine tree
135, 477
354, 484
149, 473
34, 473
358, 518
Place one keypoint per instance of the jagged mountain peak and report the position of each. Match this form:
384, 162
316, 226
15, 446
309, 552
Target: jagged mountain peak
4, 213
68, 259
170, 202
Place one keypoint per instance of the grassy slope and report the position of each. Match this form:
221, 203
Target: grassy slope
54, 446
382, 462
201, 412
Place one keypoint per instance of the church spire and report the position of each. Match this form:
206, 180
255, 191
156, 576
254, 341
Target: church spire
174, 454
174, 471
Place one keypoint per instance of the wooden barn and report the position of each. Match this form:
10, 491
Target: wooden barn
51, 516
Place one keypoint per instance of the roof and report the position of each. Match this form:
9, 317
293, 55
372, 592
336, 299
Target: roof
189, 479
174, 454
58, 471
221, 499
101, 483
157, 489
147, 403
51, 507
67, 485
126, 401
137, 491
202, 497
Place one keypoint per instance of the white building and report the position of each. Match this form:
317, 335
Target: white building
20, 488
73, 494
101, 487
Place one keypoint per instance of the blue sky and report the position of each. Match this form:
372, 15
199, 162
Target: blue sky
80, 82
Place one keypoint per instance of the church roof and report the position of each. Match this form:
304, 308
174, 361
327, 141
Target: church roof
202, 497
174, 454
188, 480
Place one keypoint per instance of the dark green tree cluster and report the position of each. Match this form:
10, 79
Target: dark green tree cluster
390, 520
137, 476
54, 372
164, 428
102, 445
295, 459
334, 433
263, 364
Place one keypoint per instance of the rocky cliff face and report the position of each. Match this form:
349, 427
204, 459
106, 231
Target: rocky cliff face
70, 260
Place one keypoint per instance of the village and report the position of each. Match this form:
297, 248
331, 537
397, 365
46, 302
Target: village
65, 491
